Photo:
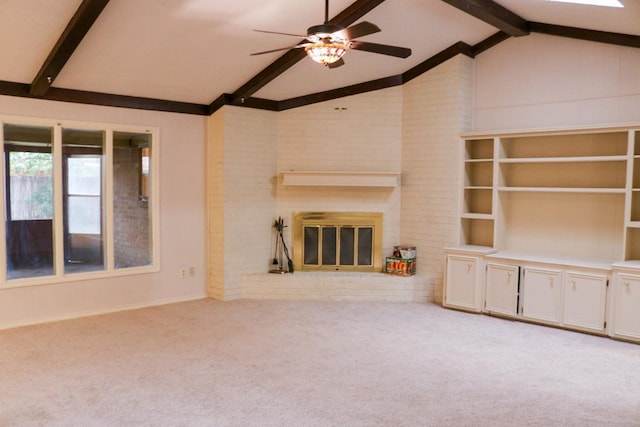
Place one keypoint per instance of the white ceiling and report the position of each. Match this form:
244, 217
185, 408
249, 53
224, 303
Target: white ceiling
196, 50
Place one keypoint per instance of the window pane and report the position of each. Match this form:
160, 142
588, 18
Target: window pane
310, 246
84, 175
328, 245
347, 235
84, 215
31, 182
131, 208
29, 201
365, 246
83, 202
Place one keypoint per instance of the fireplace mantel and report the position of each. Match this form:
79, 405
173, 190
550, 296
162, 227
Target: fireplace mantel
340, 179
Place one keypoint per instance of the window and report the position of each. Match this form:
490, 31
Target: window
131, 186
78, 201
28, 201
83, 199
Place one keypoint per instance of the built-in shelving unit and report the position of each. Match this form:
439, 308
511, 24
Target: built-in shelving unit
524, 190
564, 201
477, 213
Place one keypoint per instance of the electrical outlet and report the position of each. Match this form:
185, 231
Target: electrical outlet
184, 272
192, 271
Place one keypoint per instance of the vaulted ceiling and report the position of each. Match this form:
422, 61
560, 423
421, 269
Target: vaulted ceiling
194, 56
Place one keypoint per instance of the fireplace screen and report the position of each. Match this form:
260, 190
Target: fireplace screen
337, 241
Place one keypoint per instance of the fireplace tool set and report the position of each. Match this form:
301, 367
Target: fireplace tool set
280, 250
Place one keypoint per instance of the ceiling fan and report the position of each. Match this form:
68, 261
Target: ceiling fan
327, 43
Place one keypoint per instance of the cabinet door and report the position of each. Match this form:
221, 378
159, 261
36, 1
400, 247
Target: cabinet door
462, 282
625, 315
502, 289
585, 298
542, 295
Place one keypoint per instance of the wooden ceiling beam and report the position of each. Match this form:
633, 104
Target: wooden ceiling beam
489, 42
584, 34
105, 99
345, 18
73, 34
493, 14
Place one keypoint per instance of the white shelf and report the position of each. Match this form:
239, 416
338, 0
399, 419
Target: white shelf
478, 187
340, 179
469, 215
574, 159
618, 127
563, 190
478, 160
599, 264
473, 249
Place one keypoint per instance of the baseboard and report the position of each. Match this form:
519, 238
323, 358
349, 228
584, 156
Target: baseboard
77, 315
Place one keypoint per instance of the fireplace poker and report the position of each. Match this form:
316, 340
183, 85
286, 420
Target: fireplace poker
279, 225
275, 261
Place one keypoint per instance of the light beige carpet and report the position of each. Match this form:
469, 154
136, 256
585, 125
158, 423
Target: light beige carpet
306, 363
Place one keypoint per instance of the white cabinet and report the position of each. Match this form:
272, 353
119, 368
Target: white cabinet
464, 278
502, 289
542, 295
585, 300
625, 308
548, 290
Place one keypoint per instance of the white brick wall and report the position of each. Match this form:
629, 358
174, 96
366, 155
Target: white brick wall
242, 164
364, 137
437, 106
215, 200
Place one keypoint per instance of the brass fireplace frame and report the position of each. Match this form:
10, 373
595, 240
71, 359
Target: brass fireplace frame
337, 219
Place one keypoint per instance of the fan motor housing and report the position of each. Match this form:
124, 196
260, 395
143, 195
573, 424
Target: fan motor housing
323, 29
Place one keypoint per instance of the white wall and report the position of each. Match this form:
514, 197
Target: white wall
541, 81
182, 219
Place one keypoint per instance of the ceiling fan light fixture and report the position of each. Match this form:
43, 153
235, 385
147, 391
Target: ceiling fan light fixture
326, 53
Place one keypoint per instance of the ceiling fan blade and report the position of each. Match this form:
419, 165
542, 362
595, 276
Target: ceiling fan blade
338, 63
383, 49
283, 34
279, 49
358, 30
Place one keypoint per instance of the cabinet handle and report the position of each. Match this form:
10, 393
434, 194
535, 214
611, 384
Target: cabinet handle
626, 283
573, 282
469, 266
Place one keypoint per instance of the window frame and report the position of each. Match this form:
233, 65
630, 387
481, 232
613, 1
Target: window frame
110, 269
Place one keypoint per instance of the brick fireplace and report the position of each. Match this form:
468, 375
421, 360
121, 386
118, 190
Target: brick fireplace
411, 130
